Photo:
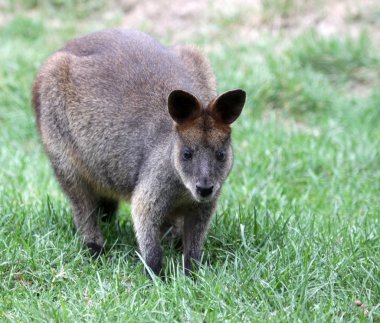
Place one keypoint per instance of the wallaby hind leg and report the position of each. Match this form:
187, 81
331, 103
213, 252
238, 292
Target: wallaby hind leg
108, 208
86, 218
85, 205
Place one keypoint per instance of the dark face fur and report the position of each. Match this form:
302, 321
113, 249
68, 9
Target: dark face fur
203, 153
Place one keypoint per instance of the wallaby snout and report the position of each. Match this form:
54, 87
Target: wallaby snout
204, 191
123, 117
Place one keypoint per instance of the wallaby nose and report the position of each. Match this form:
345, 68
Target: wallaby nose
204, 191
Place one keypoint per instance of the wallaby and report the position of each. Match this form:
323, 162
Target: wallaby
122, 117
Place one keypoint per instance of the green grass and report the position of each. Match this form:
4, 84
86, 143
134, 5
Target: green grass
296, 235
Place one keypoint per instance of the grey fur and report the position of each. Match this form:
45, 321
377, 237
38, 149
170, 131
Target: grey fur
101, 104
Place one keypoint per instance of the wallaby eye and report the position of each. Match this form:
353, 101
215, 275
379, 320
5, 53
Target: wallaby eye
187, 154
221, 155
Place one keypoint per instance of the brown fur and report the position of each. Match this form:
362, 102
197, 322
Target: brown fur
115, 127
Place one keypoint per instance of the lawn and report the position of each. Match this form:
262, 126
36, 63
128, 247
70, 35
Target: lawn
296, 233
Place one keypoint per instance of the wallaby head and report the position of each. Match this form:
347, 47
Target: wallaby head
202, 153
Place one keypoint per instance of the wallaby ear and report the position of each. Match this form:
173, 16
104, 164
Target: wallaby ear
226, 108
183, 106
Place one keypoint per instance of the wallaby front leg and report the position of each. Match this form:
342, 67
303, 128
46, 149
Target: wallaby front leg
195, 229
148, 236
